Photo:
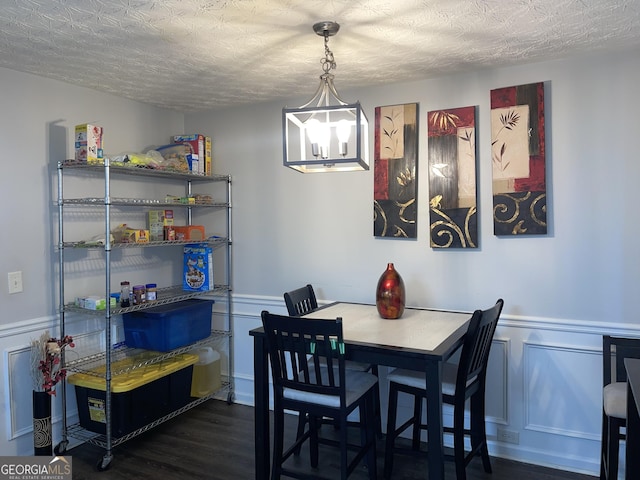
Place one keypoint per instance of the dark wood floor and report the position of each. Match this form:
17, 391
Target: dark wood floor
215, 441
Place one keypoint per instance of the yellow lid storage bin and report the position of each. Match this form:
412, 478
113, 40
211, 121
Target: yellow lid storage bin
138, 397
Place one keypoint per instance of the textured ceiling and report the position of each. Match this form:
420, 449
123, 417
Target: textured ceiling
199, 54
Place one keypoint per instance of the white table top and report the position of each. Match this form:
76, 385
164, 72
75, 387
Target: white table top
417, 330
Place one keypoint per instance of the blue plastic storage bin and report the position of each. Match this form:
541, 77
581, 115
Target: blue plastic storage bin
167, 327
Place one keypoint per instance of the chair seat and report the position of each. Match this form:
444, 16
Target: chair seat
614, 400
357, 366
351, 365
417, 379
357, 384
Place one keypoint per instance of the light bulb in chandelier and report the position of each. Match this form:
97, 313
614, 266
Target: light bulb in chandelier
343, 130
319, 136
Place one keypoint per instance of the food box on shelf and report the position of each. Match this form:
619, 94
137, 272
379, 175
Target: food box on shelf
170, 326
138, 397
198, 268
208, 160
197, 143
190, 232
156, 221
95, 302
124, 234
88, 143
180, 200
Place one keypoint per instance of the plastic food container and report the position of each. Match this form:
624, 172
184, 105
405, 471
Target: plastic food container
206, 373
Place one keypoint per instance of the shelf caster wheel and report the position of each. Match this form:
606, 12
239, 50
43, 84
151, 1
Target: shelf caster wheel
61, 448
104, 463
230, 398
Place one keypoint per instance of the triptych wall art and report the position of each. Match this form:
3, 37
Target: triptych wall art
452, 178
517, 159
395, 171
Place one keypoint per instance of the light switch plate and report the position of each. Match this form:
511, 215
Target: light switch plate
15, 282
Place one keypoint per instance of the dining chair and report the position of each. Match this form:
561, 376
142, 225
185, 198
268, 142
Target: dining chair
461, 381
309, 376
303, 300
614, 399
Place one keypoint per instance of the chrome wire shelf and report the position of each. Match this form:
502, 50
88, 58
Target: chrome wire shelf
138, 202
115, 359
92, 364
98, 168
166, 295
211, 241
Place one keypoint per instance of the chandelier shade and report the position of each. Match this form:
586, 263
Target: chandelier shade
326, 134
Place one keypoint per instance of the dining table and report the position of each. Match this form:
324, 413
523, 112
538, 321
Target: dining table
421, 339
632, 460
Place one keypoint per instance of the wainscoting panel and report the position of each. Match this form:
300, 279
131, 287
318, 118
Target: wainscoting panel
562, 383
497, 385
18, 361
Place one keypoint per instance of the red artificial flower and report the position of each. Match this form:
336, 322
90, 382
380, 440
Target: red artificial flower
50, 366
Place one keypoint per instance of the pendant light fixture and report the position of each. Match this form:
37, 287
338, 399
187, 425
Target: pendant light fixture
326, 134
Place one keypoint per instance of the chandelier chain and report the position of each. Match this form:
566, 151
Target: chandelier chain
328, 62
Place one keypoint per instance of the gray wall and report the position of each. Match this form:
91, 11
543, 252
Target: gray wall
290, 228
37, 121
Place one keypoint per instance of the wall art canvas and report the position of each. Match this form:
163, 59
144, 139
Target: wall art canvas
518, 160
452, 178
395, 171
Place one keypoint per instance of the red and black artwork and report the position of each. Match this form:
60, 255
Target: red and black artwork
395, 171
452, 178
518, 160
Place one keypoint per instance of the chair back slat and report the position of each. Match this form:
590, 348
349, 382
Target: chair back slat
614, 351
477, 345
306, 354
301, 301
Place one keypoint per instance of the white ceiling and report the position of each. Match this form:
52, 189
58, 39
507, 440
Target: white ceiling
199, 54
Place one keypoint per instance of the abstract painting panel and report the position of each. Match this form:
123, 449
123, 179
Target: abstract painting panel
395, 171
518, 160
452, 178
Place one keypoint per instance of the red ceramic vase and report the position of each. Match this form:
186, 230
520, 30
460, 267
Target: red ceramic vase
390, 294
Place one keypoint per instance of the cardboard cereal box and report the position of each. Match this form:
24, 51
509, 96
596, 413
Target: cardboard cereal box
197, 143
198, 268
88, 143
208, 160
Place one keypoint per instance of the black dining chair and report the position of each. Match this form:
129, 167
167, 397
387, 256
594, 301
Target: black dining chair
309, 376
614, 399
460, 382
303, 300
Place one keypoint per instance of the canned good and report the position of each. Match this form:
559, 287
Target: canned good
152, 292
139, 294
